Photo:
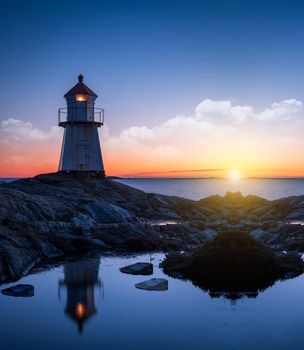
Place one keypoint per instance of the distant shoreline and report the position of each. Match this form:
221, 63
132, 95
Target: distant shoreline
8, 179
207, 178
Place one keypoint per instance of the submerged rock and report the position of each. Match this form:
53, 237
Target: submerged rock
20, 290
140, 268
154, 284
232, 264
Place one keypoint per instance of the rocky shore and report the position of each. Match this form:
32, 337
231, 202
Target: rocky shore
56, 215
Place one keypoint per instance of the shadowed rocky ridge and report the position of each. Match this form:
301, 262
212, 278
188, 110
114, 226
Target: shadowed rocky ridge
233, 264
59, 214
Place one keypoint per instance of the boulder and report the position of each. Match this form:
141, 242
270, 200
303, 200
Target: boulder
154, 284
20, 290
233, 263
140, 268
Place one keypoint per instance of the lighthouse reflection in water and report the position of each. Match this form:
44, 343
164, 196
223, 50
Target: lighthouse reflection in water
80, 281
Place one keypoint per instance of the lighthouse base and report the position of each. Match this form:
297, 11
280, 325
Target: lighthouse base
80, 150
84, 173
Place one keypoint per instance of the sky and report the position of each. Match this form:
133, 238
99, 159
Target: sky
189, 88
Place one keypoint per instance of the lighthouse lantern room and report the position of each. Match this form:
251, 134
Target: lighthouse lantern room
81, 119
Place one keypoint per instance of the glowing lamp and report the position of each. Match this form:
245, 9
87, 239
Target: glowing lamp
81, 98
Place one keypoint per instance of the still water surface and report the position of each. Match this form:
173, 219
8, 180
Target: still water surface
90, 304
199, 188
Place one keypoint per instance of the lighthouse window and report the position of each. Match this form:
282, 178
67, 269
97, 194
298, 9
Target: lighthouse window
81, 97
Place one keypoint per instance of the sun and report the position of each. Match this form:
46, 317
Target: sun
234, 175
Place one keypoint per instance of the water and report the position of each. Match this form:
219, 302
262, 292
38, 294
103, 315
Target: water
123, 317
200, 188
90, 304
8, 179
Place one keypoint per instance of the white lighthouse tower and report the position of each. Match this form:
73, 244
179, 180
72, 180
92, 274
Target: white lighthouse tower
80, 119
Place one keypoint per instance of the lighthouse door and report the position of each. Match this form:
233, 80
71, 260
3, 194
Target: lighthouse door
83, 156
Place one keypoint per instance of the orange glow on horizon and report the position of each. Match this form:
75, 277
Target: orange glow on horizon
38, 164
32, 158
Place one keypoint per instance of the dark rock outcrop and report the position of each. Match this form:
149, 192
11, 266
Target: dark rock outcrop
233, 263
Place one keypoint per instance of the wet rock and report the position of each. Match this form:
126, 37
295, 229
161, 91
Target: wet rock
140, 268
60, 214
208, 234
296, 214
154, 284
233, 263
20, 290
258, 234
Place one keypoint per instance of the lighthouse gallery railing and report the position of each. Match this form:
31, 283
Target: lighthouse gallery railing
97, 115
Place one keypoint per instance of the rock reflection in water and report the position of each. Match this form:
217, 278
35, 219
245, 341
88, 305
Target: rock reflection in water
80, 281
233, 264
235, 294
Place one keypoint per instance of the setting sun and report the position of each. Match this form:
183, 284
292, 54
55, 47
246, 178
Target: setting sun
234, 175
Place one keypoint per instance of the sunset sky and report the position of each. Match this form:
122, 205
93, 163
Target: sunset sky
190, 88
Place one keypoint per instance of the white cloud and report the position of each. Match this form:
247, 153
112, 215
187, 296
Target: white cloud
216, 128
138, 133
215, 111
286, 110
213, 129
12, 130
211, 119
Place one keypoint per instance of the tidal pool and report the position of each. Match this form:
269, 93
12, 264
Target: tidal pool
90, 304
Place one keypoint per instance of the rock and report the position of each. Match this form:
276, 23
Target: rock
297, 214
154, 284
62, 214
233, 263
258, 234
208, 234
140, 268
260, 211
20, 290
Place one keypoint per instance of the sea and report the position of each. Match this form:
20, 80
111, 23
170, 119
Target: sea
197, 188
88, 303
194, 188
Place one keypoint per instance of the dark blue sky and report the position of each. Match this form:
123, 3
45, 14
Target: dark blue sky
148, 60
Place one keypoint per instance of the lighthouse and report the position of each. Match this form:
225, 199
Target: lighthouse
81, 150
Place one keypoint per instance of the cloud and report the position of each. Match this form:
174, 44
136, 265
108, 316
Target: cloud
286, 110
138, 132
211, 119
215, 111
14, 130
217, 134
